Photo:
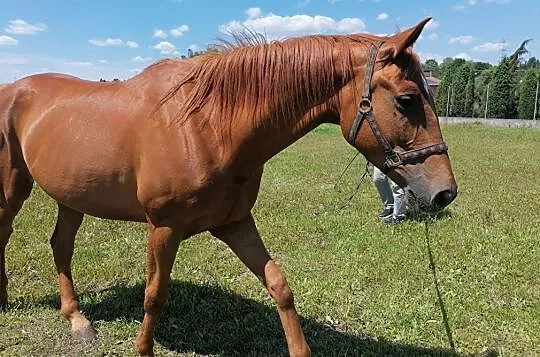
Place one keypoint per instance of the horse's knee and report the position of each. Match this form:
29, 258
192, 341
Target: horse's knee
153, 303
279, 289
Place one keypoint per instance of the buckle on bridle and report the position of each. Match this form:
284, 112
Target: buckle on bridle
393, 159
364, 107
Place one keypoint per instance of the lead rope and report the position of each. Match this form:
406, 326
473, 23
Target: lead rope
439, 296
362, 178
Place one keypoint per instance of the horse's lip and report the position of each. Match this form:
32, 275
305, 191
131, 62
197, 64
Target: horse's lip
418, 203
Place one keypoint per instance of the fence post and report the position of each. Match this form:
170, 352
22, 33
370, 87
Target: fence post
448, 101
487, 100
536, 101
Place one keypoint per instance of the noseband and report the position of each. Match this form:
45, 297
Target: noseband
393, 158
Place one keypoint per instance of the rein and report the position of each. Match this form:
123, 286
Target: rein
360, 181
439, 296
392, 158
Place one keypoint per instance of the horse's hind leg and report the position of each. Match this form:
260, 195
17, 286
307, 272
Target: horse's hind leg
15, 187
6, 219
62, 243
244, 240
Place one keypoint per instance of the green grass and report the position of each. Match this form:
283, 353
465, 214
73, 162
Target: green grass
361, 287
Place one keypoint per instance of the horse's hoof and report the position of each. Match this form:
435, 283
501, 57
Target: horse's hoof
84, 333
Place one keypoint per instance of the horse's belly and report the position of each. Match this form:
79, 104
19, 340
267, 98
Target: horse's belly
101, 196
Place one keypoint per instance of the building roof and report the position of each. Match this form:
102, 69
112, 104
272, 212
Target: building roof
431, 79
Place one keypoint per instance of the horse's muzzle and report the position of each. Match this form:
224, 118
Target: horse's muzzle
442, 199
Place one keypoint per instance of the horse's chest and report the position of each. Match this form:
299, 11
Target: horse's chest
230, 202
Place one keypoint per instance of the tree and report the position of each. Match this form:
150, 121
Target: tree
459, 85
532, 63
469, 93
432, 66
501, 95
481, 88
481, 66
527, 92
502, 103
446, 93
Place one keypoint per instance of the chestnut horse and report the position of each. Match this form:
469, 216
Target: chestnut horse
182, 146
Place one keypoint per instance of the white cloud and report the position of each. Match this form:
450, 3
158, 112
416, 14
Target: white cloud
8, 41
166, 48
175, 32
193, 47
132, 44
158, 33
382, 16
103, 61
304, 3
470, 3
350, 24
179, 31
107, 42
113, 42
432, 25
80, 64
463, 55
276, 26
141, 59
11, 59
433, 36
21, 27
333, 1
253, 12
424, 56
462, 40
490, 47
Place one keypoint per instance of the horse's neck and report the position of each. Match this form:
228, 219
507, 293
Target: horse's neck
251, 146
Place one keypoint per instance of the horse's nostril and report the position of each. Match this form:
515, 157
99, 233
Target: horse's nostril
443, 199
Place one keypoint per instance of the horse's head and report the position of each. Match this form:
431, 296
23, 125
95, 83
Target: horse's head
387, 112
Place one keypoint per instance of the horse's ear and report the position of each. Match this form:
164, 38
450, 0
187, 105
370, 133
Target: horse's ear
399, 42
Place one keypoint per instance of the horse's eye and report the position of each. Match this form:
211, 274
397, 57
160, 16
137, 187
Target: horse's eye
406, 101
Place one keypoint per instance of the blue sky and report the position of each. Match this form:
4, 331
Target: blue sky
108, 39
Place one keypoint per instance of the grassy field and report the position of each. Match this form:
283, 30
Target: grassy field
361, 287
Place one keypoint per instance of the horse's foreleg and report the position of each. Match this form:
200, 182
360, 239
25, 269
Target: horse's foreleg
162, 247
243, 238
62, 243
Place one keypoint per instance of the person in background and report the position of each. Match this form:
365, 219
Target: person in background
393, 197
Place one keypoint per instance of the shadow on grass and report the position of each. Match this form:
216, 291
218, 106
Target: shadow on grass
209, 320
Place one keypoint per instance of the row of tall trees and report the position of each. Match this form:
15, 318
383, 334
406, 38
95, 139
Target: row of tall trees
478, 89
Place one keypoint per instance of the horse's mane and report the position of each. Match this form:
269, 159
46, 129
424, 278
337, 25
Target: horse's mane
251, 75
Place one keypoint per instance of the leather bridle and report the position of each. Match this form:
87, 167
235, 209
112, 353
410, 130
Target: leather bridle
393, 158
